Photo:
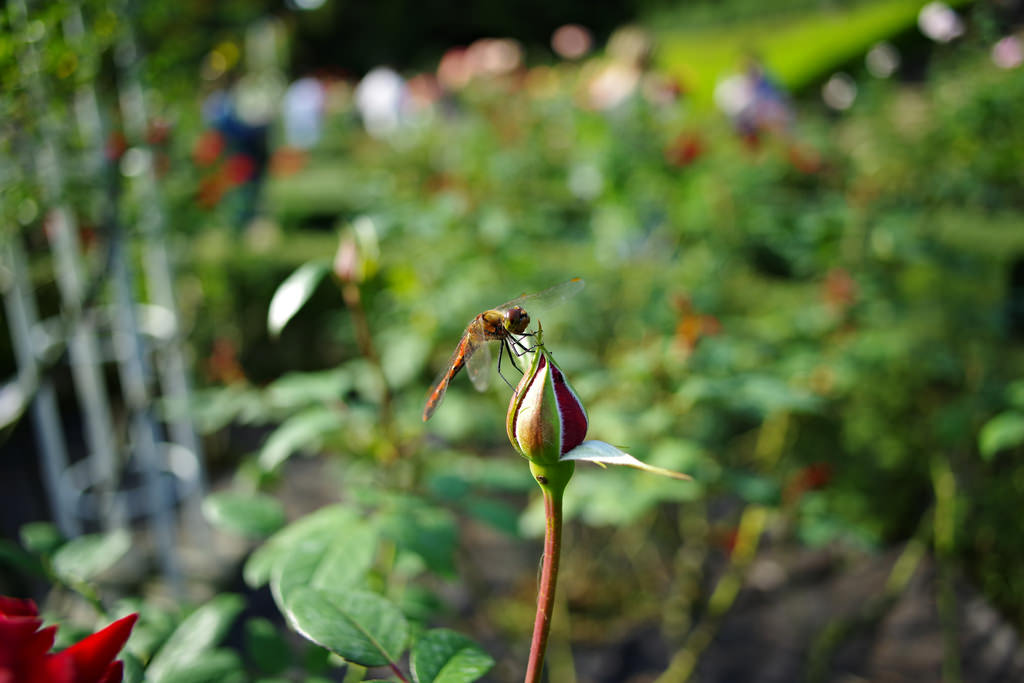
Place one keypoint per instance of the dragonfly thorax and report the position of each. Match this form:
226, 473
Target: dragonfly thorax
498, 324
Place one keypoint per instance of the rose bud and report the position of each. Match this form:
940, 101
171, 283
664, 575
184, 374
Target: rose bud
545, 417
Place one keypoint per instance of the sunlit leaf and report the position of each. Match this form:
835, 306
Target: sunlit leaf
358, 626
196, 635
249, 514
606, 454
212, 666
83, 558
1003, 431
326, 522
293, 293
335, 562
444, 656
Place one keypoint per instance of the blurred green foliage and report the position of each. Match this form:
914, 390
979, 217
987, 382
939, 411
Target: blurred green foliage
807, 323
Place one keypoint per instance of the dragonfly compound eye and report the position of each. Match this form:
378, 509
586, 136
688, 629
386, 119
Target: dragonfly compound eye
517, 320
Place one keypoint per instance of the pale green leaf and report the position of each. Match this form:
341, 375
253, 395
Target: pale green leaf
249, 514
293, 293
213, 666
333, 562
606, 454
326, 522
86, 556
1003, 431
197, 634
302, 431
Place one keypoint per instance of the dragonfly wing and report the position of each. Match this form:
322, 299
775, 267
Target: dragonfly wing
478, 364
458, 359
551, 296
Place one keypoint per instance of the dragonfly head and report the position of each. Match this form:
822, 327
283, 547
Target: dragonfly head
517, 320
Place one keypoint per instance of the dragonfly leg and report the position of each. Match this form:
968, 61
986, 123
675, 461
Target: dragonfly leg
520, 348
501, 352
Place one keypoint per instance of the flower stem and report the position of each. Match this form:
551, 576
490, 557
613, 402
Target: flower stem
552, 488
398, 672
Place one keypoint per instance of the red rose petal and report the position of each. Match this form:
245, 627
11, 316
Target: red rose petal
574, 418
91, 657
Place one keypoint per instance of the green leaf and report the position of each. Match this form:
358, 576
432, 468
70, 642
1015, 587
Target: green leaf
606, 454
213, 666
302, 431
359, 626
293, 293
444, 656
425, 530
154, 627
265, 646
213, 409
1015, 393
299, 389
11, 555
753, 488
419, 603
198, 633
40, 537
83, 558
133, 672
497, 513
1003, 431
335, 562
325, 522
250, 514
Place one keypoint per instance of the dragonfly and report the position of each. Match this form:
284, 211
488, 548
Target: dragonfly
506, 324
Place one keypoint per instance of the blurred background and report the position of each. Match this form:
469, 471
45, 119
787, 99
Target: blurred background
240, 238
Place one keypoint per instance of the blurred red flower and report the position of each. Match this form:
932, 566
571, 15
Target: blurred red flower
813, 477
158, 132
208, 148
684, 150
287, 161
25, 656
239, 169
211, 190
839, 289
805, 159
116, 145
693, 326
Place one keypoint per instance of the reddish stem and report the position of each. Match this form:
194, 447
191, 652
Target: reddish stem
548, 581
398, 672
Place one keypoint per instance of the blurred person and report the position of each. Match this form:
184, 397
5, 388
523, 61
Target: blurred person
302, 112
612, 82
246, 147
382, 98
754, 102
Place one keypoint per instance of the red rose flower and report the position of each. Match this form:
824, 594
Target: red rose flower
25, 655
